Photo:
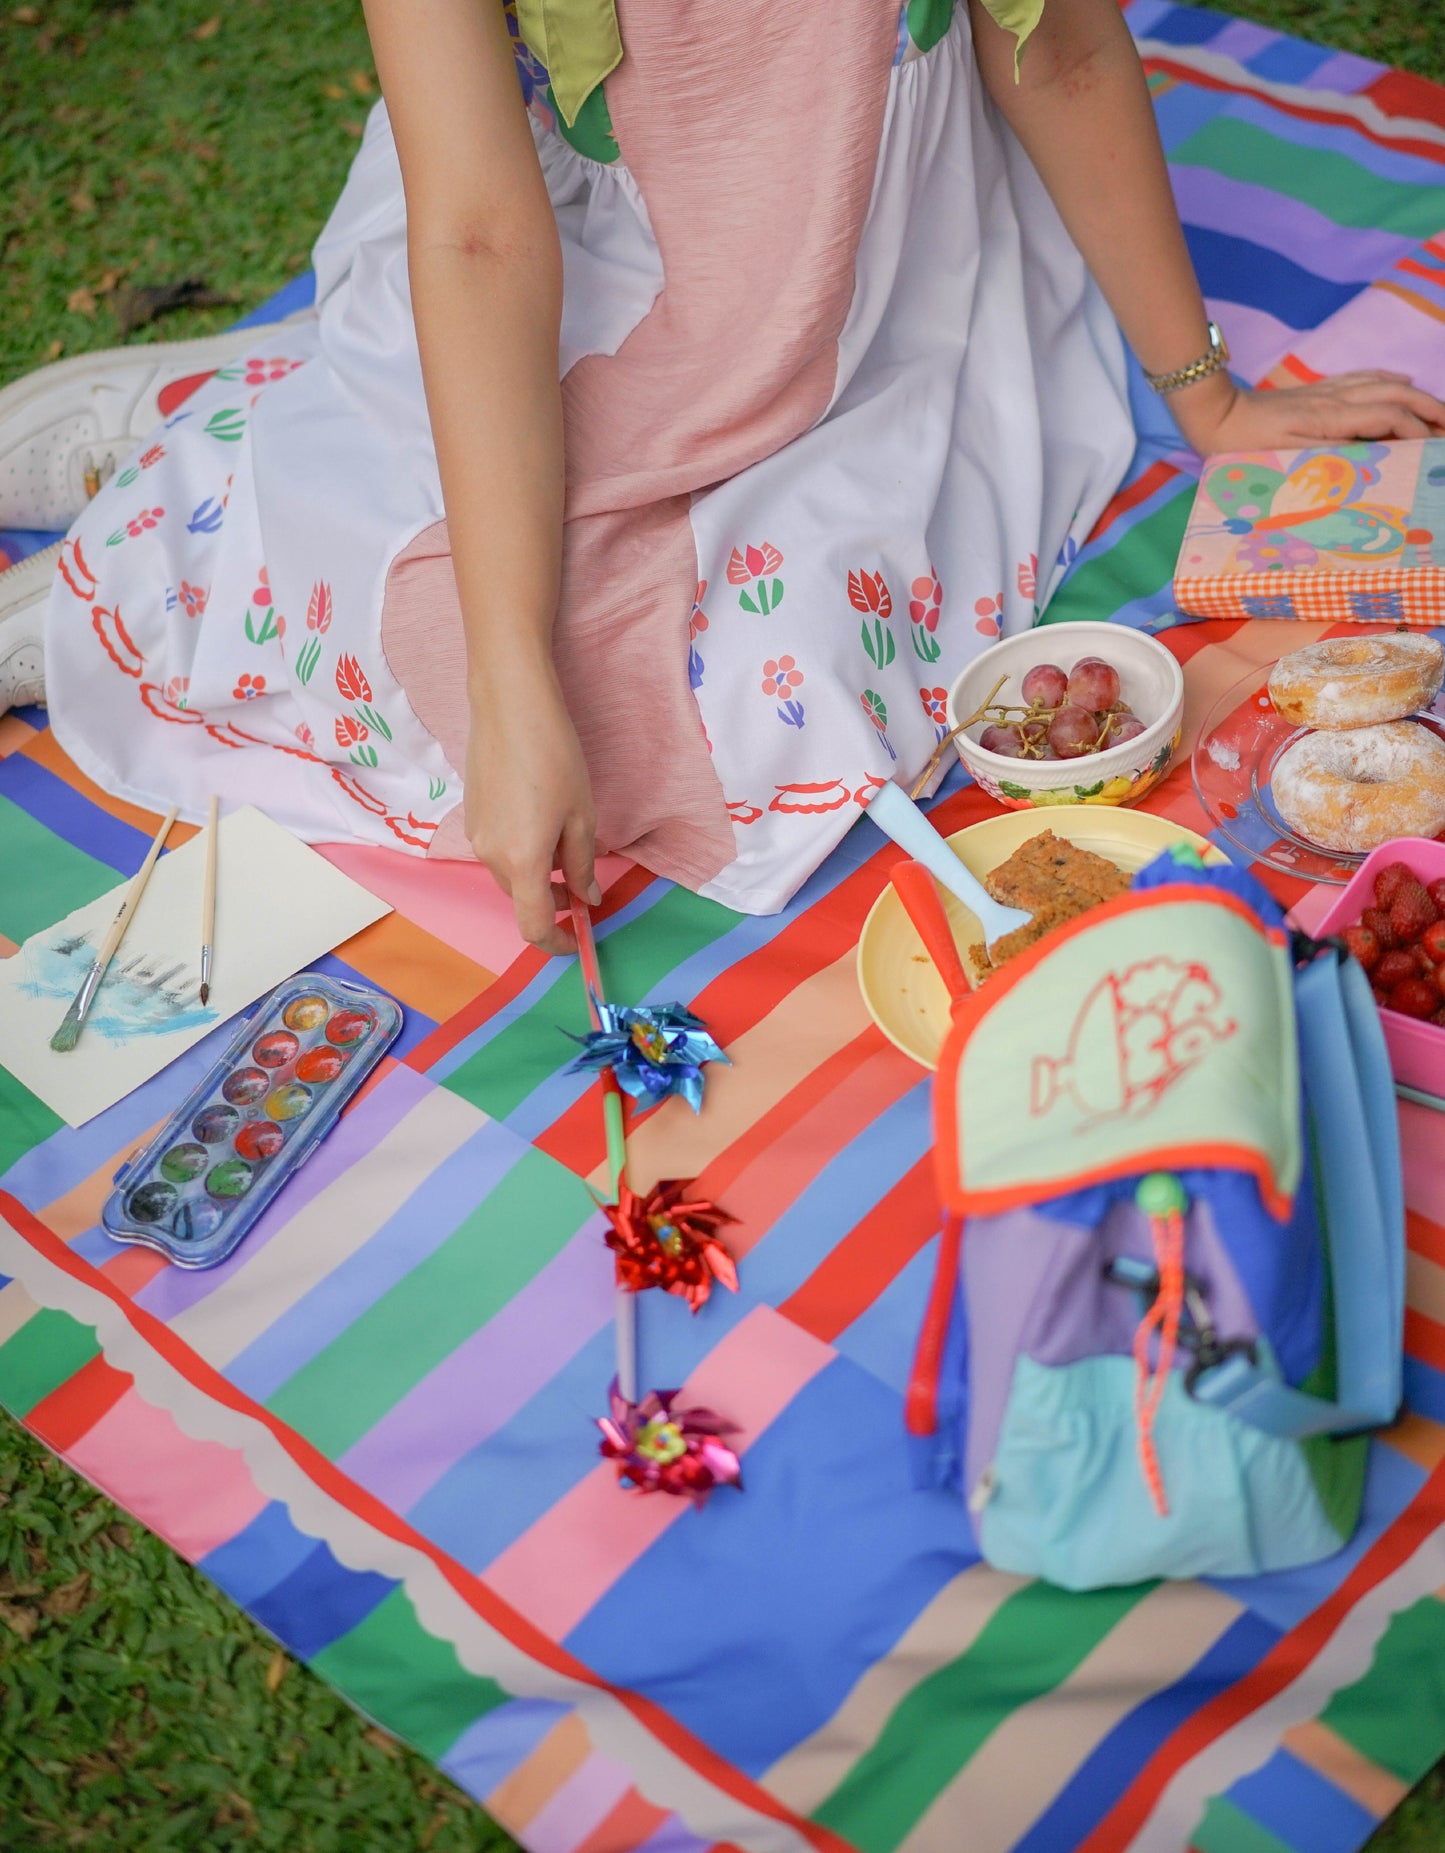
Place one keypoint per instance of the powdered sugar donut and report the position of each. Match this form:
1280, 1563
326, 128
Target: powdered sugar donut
1358, 681
1354, 788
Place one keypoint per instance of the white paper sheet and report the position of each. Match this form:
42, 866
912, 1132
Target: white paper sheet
278, 906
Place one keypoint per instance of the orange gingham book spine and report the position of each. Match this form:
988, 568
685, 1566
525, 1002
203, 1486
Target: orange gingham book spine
1391, 595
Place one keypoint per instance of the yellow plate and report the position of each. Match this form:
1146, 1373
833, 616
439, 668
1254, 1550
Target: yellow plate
904, 994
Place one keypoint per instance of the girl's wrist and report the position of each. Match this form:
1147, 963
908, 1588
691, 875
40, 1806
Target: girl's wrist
1199, 410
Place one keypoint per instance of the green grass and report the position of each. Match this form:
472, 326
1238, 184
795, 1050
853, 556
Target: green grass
144, 144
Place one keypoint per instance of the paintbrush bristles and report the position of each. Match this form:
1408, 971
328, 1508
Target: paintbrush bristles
65, 1038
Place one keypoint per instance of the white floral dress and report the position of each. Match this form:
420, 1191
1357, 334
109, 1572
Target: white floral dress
217, 622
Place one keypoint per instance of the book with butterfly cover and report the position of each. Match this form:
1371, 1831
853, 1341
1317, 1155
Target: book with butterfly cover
1351, 533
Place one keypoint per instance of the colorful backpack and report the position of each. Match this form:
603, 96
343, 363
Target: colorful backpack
1170, 1290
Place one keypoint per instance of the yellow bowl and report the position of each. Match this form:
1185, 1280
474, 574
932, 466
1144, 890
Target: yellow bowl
904, 994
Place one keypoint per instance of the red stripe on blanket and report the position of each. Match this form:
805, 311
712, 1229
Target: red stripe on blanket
872, 1254
1332, 118
1400, 93
478, 1595
1132, 494
74, 1408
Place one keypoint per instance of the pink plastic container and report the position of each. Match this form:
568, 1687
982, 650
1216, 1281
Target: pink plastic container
1417, 1049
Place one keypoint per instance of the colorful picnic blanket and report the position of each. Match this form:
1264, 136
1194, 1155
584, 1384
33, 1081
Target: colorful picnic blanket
372, 1427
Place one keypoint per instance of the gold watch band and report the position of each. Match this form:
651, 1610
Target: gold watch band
1217, 357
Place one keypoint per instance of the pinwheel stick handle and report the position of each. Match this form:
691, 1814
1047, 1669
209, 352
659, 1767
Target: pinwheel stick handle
615, 1126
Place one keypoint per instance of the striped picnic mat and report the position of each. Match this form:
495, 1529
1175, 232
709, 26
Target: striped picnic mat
372, 1427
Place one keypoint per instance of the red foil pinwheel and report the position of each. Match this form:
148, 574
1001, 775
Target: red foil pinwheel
669, 1240
663, 1449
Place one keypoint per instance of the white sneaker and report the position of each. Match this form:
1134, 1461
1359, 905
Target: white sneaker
66, 428
24, 593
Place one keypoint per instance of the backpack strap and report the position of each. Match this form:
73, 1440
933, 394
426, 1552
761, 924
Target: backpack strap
1351, 1102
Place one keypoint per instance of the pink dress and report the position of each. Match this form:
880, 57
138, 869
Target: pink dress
840, 399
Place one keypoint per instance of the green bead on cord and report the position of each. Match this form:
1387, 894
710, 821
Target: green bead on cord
1161, 1194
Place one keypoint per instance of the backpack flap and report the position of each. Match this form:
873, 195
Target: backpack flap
1156, 1033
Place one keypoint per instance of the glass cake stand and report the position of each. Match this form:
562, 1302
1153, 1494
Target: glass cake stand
1233, 761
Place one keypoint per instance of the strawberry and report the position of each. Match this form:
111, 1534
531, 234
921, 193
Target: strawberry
1440, 979
1436, 891
1434, 942
1365, 947
1439, 1017
1395, 967
1382, 998
1377, 919
1390, 880
1412, 911
1415, 998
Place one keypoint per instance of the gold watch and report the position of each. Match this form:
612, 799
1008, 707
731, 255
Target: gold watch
1217, 357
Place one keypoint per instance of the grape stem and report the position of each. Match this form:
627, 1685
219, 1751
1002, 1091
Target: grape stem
992, 710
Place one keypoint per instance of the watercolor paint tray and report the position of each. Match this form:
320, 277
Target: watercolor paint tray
260, 1111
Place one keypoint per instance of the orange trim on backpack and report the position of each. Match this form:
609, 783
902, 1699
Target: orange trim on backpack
969, 1012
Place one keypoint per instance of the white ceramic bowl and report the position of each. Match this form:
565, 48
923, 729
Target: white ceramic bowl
1151, 682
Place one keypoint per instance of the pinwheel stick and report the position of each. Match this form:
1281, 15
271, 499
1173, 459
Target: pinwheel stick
625, 1309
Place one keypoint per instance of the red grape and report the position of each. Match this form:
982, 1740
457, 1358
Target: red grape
1434, 942
1045, 686
1093, 684
1126, 727
1007, 741
1073, 732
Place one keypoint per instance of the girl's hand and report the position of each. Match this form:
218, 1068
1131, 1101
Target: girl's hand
528, 805
1216, 415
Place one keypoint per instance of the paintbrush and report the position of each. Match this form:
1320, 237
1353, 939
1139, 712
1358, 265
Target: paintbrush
66, 1037
625, 1308
208, 901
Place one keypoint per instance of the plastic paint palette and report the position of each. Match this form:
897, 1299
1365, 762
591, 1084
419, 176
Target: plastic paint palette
261, 1110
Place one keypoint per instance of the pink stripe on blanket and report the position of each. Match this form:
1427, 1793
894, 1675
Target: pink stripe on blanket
566, 1562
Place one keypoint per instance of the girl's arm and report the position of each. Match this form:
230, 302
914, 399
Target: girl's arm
486, 285
1082, 111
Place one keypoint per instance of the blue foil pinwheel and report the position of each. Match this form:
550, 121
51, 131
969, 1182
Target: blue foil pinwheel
654, 1050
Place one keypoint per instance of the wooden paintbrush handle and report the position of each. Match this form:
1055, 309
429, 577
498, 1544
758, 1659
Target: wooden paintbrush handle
208, 892
133, 894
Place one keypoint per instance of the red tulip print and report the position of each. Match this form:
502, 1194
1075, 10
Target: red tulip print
318, 609
1028, 576
349, 732
753, 567
350, 680
752, 563
869, 592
